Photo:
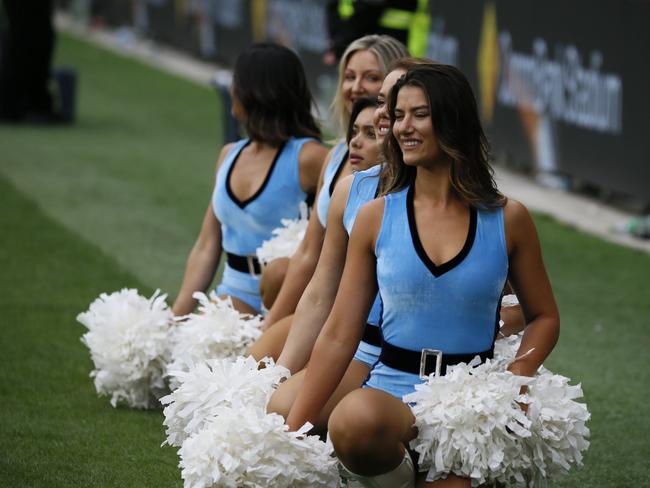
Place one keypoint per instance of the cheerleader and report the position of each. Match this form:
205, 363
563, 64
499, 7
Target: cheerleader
260, 180
316, 302
361, 72
439, 247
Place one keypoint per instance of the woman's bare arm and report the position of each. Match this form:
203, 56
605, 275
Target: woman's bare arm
343, 329
529, 280
318, 297
299, 272
204, 257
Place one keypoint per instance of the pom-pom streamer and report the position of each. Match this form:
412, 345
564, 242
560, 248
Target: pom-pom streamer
128, 338
212, 385
470, 423
286, 239
240, 448
216, 331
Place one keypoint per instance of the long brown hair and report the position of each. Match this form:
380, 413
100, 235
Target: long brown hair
270, 83
456, 123
387, 173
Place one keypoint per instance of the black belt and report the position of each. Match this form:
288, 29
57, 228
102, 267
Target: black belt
372, 335
424, 362
245, 264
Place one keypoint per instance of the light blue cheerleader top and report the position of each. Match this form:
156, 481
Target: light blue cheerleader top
334, 168
363, 189
452, 307
246, 224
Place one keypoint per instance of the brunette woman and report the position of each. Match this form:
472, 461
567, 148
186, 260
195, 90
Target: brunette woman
439, 247
260, 180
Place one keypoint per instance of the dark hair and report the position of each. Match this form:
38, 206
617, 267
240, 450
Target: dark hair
406, 63
270, 84
457, 126
359, 106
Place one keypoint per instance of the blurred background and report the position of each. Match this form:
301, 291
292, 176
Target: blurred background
562, 98
106, 174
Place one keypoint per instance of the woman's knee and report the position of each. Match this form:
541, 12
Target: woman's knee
279, 403
367, 429
272, 279
240, 305
356, 424
282, 399
272, 341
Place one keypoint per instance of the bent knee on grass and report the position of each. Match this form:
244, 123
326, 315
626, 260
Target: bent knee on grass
369, 430
282, 399
240, 305
367, 420
272, 278
272, 340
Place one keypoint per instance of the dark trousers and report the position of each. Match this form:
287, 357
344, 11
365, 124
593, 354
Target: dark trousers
26, 57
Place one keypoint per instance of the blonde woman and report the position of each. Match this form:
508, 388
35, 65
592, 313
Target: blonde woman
362, 69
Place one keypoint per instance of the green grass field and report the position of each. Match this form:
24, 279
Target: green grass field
117, 199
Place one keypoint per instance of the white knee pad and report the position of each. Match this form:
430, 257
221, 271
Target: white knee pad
403, 476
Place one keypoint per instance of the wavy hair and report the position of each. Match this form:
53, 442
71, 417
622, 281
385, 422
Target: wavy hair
387, 171
456, 124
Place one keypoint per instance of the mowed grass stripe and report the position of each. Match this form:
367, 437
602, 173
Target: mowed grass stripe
134, 174
601, 290
54, 430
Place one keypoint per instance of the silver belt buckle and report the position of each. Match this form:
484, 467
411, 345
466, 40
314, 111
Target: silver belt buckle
251, 265
423, 362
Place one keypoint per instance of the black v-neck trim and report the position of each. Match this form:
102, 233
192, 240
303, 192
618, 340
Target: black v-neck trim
231, 194
338, 172
438, 270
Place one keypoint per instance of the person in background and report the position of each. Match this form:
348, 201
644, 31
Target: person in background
25, 63
405, 20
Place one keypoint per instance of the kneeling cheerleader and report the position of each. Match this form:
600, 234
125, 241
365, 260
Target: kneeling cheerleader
439, 247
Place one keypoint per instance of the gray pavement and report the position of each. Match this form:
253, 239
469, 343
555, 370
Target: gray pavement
586, 214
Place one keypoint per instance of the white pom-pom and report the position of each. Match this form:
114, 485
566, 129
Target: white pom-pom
214, 384
286, 239
216, 331
509, 301
558, 426
469, 423
505, 349
239, 448
129, 345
